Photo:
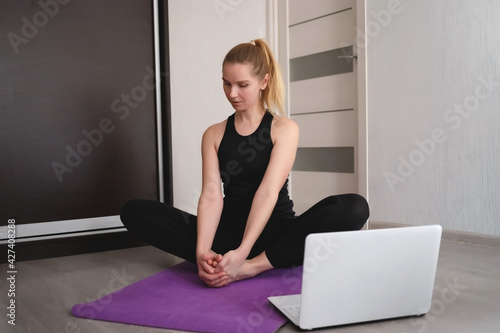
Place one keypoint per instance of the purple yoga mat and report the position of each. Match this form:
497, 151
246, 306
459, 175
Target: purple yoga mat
177, 299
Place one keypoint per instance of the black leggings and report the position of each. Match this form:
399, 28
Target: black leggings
174, 231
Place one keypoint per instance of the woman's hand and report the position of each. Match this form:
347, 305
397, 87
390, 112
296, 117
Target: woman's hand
207, 264
208, 261
231, 264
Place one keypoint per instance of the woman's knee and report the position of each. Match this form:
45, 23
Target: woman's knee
130, 212
359, 208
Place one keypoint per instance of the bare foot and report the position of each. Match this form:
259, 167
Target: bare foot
250, 268
247, 270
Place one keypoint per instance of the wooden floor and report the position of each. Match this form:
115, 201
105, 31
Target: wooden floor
469, 267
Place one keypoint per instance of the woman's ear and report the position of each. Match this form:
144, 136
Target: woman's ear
264, 82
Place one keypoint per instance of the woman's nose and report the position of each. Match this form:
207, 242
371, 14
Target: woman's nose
233, 92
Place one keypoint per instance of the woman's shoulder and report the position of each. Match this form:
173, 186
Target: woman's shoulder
284, 125
284, 121
215, 131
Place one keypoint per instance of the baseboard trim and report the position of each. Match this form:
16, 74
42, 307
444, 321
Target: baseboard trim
449, 235
67, 246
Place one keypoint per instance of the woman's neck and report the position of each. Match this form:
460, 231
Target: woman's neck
246, 123
250, 116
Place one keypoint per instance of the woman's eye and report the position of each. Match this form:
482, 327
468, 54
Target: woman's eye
243, 85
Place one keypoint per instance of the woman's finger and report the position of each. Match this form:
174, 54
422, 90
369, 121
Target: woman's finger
206, 267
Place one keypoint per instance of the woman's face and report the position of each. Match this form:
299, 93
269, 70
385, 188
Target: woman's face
241, 87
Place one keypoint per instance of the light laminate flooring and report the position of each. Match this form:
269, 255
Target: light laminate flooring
47, 289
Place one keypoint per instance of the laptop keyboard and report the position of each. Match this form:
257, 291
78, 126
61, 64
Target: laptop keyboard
293, 311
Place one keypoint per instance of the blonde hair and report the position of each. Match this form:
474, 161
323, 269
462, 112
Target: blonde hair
258, 54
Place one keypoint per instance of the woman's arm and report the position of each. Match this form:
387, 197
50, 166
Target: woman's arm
210, 204
285, 135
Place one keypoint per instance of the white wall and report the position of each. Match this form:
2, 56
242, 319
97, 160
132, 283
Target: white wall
433, 121
201, 33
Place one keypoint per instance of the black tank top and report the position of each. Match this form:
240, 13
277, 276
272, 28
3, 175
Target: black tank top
243, 161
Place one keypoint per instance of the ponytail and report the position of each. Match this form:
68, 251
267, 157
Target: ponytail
258, 54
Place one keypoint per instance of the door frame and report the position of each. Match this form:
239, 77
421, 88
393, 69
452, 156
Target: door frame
362, 102
277, 35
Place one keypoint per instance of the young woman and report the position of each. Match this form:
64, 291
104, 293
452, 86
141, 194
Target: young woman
249, 226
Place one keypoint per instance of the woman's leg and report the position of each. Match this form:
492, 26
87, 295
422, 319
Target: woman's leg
162, 226
335, 213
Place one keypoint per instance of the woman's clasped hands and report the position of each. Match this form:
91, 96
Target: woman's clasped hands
218, 270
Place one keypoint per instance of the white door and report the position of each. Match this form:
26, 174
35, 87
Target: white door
323, 99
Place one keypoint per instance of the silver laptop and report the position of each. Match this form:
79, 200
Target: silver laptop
359, 276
